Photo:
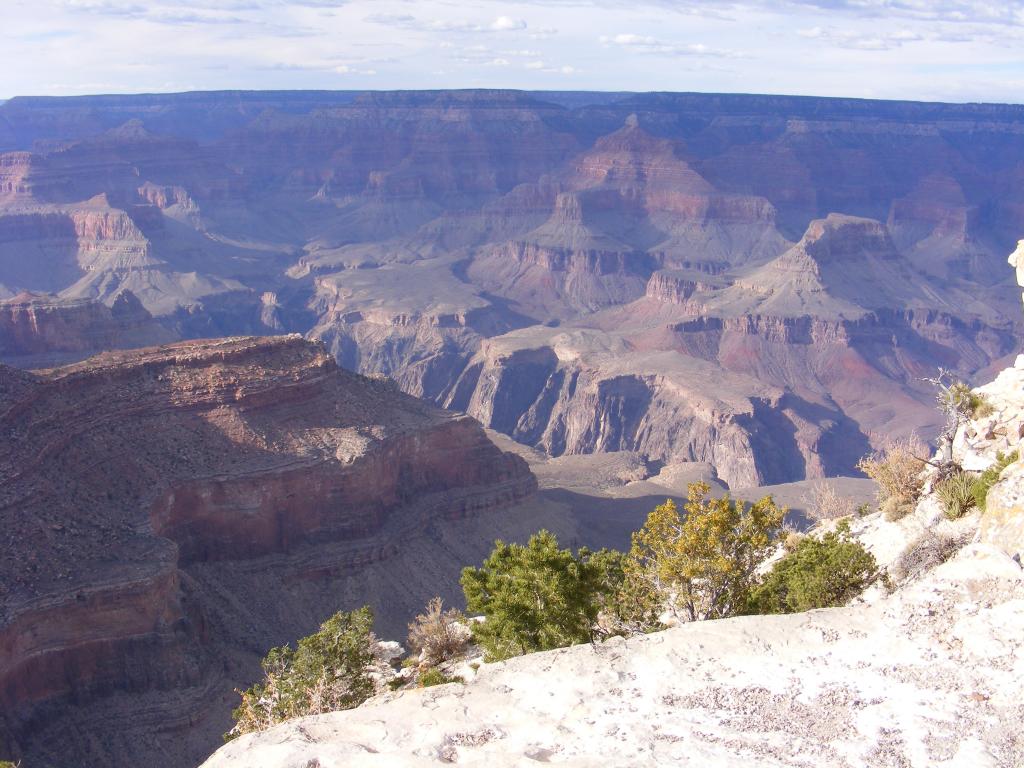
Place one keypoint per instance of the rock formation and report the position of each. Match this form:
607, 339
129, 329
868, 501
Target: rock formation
924, 668
929, 675
170, 513
40, 330
818, 257
1017, 261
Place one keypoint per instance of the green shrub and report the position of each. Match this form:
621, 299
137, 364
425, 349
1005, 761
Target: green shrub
701, 566
818, 573
988, 478
434, 676
956, 494
327, 671
980, 406
537, 597
958, 397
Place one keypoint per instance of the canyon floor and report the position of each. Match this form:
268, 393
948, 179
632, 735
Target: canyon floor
608, 496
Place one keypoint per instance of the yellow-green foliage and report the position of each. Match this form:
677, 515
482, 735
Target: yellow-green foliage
326, 672
701, 566
956, 495
896, 467
988, 478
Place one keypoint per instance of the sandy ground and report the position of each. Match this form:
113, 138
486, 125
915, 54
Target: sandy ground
609, 495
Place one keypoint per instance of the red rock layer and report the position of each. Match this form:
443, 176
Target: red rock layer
128, 479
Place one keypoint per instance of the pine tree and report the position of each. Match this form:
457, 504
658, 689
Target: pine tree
818, 573
537, 597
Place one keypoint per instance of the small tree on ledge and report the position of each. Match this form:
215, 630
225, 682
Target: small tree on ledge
702, 567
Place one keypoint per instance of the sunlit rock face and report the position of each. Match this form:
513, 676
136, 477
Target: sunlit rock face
933, 651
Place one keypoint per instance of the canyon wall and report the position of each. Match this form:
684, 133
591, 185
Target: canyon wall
39, 330
820, 256
171, 512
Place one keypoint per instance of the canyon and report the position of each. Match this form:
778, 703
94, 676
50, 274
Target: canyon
41, 330
268, 355
756, 282
170, 513
923, 668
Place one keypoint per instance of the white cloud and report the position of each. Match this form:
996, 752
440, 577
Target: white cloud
653, 45
952, 49
863, 41
507, 24
419, 24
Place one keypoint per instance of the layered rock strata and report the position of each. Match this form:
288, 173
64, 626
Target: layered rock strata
834, 251
36, 330
170, 512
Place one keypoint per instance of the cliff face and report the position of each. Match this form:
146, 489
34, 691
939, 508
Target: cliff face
35, 329
171, 512
586, 393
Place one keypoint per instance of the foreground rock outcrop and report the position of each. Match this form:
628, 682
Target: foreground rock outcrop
170, 513
925, 669
927, 677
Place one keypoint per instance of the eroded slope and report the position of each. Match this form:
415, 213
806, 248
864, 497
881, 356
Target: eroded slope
170, 513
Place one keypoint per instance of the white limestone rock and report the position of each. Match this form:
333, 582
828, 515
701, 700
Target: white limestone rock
929, 676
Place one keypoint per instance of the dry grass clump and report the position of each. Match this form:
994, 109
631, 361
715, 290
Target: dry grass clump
927, 551
792, 540
438, 635
896, 467
823, 502
956, 494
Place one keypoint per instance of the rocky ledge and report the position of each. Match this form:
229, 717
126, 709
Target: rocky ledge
169, 513
928, 676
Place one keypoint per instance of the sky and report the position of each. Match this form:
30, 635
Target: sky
944, 50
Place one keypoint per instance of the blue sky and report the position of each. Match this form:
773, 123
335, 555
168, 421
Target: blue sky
951, 50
